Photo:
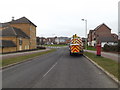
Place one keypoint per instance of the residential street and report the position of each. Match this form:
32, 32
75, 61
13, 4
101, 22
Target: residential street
56, 70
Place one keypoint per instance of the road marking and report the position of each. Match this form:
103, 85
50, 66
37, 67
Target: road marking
48, 71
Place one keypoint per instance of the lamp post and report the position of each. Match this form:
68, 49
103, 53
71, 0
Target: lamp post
85, 32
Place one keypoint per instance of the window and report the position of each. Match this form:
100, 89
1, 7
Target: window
20, 42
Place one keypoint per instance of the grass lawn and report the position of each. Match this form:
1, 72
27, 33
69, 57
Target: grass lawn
8, 61
91, 48
110, 65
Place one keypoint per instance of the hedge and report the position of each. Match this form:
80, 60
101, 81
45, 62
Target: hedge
114, 48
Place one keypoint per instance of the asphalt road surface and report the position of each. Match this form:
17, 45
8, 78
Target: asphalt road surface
56, 70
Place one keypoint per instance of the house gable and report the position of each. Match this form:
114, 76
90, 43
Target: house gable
22, 20
103, 30
28, 27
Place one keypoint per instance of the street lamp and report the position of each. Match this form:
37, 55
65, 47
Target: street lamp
85, 32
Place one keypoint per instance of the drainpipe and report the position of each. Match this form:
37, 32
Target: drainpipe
2, 49
16, 43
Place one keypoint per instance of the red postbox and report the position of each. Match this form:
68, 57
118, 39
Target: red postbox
98, 47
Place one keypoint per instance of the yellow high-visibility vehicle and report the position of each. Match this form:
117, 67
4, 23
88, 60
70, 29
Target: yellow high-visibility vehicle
76, 45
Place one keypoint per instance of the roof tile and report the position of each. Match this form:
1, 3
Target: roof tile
13, 32
7, 43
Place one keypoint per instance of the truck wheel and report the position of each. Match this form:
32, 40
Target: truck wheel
70, 54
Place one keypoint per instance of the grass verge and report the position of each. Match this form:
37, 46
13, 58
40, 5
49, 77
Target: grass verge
91, 48
108, 64
9, 61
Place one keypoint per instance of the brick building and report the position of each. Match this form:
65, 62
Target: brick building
101, 33
41, 40
50, 40
20, 33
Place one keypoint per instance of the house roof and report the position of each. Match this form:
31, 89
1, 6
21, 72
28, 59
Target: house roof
100, 26
22, 20
40, 37
7, 43
107, 39
13, 32
91, 31
113, 34
5, 24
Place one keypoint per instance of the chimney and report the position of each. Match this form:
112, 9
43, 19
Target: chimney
12, 18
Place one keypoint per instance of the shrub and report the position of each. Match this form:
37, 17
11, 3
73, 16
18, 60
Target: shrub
106, 47
39, 47
113, 48
119, 46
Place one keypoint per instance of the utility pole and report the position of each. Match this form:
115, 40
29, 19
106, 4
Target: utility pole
85, 32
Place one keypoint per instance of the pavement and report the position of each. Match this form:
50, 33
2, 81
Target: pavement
112, 56
54, 46
56, 70
5, 56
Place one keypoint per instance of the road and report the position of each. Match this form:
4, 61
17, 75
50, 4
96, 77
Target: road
56, 70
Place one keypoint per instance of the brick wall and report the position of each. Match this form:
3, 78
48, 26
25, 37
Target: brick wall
103, 31
30, 30
25, 43
7, 49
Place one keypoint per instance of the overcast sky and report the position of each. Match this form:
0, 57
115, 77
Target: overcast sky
62, 17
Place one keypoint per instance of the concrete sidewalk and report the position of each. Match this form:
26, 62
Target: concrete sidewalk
55, 46
112, 56
5, 56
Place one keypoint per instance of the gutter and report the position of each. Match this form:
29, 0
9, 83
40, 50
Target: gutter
105, 71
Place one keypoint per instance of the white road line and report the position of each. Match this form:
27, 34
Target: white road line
49, 70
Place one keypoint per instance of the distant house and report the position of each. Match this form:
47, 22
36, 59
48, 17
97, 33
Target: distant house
62, 40
115, 36
41, 40
21, 32
52, 40
101, 33
90, 37
84, 41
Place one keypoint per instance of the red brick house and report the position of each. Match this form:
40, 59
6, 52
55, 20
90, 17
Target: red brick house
41, 40
101, 33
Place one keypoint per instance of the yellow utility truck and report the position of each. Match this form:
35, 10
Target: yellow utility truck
76, 45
